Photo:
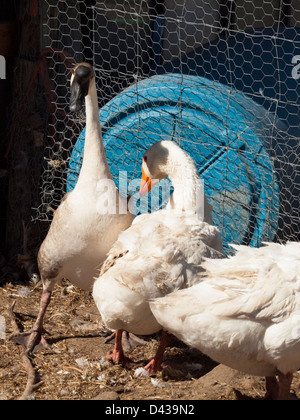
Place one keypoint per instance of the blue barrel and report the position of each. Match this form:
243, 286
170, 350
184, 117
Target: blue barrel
227, 134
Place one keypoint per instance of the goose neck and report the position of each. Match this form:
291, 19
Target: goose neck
94, 164
188, 192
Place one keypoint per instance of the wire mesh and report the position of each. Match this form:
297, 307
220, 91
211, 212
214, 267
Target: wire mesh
252, 47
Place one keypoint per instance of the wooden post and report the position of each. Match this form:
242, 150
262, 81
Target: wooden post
24, 145
8, 44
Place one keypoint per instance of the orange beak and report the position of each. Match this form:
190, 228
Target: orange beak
145, 184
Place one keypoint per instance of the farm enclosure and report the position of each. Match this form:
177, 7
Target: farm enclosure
241, 58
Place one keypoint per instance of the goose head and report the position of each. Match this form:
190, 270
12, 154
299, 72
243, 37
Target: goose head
155, 166
81, 77
165, 159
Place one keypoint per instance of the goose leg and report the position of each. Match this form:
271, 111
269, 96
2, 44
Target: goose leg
128, 340
118, 355
271, 387
155, 364
34, 338
279, 390
284, 386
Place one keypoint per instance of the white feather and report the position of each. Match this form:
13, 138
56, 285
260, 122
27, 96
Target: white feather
246, 313
159, 253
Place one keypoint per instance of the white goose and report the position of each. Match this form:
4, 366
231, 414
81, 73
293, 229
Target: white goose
83, 227
244, 314
159, 253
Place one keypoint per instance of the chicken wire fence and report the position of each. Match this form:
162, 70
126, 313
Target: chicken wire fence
246, 51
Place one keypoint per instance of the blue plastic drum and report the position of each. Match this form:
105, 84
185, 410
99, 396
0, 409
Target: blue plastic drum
227, 134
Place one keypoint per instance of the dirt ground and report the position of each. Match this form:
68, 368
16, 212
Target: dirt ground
76, 367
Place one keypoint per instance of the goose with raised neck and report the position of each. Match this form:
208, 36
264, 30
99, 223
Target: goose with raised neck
80, 234
159, 253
